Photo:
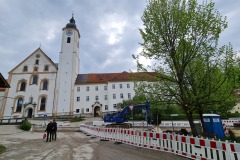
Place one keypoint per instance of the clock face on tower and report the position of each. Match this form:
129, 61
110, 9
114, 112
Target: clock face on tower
69, 32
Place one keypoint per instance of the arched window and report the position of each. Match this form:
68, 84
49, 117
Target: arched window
37, 62
35, 80
23, 86
19, 105
45, 85
68, 40
43, 104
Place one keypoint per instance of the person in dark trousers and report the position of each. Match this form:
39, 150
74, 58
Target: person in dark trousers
49, 130
54, 132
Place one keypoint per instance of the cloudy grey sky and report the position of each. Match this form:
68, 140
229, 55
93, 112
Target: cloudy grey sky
109, 31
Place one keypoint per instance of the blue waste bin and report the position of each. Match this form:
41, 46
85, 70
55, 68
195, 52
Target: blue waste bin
213, 125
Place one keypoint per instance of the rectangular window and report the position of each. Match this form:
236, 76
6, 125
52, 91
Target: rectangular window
129, 96
121, 95
113, 86
120, 86
46, 67
105, 87
78, 99
135, 85
87, 89
96, 98
77, 110
87, 98
25, 68
114, 105
96, 88
78, 89
106, 107
105, 97
128, 85
87, 109
114, 96
37, 62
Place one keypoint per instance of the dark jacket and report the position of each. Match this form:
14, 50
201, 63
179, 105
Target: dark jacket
49, 127
54, 126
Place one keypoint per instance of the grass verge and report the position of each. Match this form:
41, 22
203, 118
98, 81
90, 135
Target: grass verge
2, 149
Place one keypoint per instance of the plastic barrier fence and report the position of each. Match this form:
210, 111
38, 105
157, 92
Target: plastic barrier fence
186, 146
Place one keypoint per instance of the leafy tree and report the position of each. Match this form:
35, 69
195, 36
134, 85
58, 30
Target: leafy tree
181, 39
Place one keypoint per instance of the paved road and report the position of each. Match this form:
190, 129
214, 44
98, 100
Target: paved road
70, 146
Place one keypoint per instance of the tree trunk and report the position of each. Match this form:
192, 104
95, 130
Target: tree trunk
201, 119
191, 122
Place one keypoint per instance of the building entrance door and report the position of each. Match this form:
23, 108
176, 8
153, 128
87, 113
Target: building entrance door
30, 111
97, 111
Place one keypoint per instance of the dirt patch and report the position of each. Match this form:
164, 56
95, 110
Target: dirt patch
73, 146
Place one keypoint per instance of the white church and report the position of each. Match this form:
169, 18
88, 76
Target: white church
40, 87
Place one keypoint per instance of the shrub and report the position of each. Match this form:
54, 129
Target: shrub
26, 126
2, 149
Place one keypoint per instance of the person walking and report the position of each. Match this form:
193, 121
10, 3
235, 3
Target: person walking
54, 132
49, 130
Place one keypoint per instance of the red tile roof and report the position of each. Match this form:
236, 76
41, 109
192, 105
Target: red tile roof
111, 77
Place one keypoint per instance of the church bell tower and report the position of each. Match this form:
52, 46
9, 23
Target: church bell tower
68, 69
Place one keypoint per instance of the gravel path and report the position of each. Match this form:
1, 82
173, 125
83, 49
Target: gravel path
70, 146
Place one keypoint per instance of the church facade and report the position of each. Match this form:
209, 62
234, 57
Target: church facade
40, 87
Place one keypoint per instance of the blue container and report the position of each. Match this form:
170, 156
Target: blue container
213, 125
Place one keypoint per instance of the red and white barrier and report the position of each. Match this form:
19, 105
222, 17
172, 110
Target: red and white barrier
191, 147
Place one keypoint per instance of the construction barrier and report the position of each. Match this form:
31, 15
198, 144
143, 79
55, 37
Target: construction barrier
186, 146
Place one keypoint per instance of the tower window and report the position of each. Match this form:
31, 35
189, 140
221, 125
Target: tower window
68, 40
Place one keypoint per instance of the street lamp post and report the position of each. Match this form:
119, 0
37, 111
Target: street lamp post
24, 111
12, 112
34, 106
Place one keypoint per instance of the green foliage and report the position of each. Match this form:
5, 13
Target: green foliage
181, 38
26, 126
229, 115
2, 149
77, 119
